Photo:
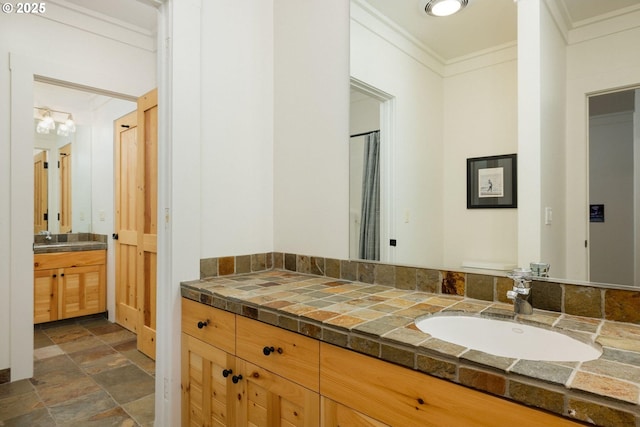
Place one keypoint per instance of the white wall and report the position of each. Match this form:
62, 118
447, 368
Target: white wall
541, 146
596, 62
530, 51
311, 128
31, 45
471, 129
81, 179
553, 148
238, 128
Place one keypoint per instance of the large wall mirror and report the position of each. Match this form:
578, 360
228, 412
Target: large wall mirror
454, 82
73, 168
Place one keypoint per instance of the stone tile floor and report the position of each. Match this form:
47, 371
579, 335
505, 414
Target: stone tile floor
87, 372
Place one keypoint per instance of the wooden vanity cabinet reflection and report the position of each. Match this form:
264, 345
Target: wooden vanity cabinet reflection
69, 284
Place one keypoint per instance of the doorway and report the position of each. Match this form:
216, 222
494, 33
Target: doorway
614, 187
371, 216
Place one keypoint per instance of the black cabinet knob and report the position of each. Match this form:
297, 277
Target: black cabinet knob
268, 350
202, 324
227, 372
236, 378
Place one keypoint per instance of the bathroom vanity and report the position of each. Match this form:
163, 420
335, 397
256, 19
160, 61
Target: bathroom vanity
250, 358
69, 280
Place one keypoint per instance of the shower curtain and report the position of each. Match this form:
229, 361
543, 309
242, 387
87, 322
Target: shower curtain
369, 247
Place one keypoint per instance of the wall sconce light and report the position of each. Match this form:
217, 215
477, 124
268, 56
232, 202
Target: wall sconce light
47, 122
443, 7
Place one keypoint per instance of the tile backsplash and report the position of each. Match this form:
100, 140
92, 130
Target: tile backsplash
580, 300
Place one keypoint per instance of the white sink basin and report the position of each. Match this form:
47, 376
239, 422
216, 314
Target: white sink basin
507, 339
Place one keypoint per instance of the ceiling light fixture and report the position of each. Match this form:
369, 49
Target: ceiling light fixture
47, 122
444, 7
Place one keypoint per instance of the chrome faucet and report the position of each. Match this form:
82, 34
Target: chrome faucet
521, 290
46, 233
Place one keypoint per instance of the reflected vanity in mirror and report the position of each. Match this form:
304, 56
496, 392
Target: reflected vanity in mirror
457, 97
68, 164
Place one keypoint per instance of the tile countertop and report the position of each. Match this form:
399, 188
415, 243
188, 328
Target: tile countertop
379, 321
47, 248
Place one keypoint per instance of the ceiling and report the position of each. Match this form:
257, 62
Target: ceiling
81, 104
485, 24
137, 13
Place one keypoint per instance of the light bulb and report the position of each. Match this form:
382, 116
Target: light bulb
42, 128
70, 124
47, 121
443, 7
446, 8
63, 129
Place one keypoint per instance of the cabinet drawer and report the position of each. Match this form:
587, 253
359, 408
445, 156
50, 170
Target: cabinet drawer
211, 325
69, 259
294, 356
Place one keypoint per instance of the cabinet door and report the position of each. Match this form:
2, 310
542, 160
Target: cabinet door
45, 295
82, 291
206, 392
335, 415
269, 400
405, 398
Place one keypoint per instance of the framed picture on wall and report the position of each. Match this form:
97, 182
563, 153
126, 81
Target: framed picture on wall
492, 182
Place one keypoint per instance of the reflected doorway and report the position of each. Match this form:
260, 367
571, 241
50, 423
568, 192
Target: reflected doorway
614, 187
370, 172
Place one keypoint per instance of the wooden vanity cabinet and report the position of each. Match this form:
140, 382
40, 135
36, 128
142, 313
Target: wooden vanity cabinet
359, 390
208, 354
280, 378
69, 284
261, 387
45, 295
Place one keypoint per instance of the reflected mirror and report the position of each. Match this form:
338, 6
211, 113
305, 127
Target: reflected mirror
73, 171
455, 93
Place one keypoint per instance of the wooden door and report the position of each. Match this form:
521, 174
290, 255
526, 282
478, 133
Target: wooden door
148, 217
64, 163
269, 400
40, 192
207, 394
136, 220
126, 223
